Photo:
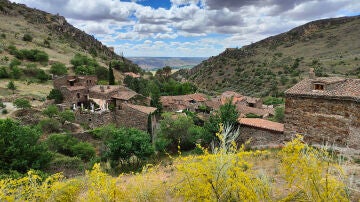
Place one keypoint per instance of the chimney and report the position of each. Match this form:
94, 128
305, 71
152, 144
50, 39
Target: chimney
311, 73
102, 89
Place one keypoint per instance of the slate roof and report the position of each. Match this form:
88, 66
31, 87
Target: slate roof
125, 95
243, 109
75, 88
334, 88
262, 123
107, 88
143, 109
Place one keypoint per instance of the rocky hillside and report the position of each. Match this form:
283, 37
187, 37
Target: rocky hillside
270, 66
51, 33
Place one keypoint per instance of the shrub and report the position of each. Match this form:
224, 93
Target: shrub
56, 95
12, 49
61, 162
42, 76
51, 111
66, 115
273, 100
27, 37
70, 146
4, 111
41, 57
3, 73
58, 69
50, 125
14, 62
11, 86
15, 72
22, 103
20, 149
83, 150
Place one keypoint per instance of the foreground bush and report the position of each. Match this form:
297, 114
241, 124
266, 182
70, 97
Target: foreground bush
225, 175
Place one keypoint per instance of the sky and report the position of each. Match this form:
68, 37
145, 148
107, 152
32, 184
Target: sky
189, 28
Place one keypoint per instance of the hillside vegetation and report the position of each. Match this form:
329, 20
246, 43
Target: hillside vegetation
270, 66
25, 31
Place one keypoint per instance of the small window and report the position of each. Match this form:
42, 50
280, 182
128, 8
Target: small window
319, 86
119, 107
78, 95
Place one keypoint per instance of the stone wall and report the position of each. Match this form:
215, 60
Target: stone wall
86, 81
323, 120
261, 138
71, 97
94, 119
129, 117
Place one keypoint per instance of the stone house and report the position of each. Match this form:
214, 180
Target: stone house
183, 102
98, 105
325, 110
261, 133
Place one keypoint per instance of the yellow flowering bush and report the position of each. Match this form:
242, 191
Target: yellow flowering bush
312, 173
227, 174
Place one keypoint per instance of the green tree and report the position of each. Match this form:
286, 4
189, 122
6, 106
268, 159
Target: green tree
58, 69
279, 114
22, 103
227, 115
56, 95
20, 148
11, 86
177, 130
42, 76
111, 76
122, 143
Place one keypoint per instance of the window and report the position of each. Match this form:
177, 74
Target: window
78, 95
319, 86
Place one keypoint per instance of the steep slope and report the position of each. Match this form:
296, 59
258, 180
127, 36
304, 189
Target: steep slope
63, 39
268, 67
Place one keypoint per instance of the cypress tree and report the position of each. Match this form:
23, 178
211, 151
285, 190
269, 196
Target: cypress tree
111, 76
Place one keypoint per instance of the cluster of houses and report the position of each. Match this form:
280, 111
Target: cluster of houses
323, 109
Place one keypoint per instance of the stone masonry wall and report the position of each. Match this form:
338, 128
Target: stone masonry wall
319, 120
70, 97
261, 137
129, 117
94, 119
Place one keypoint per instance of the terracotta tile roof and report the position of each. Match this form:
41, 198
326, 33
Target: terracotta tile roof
251, 99
243, 109
125, 95
132, 74
335, 88
214, 104
262, 123
143, 109
75, 88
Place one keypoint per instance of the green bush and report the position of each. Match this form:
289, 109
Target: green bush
22, 103
50, 125
70, 146
51, 111
273, 100
66, 115
20, 148
58, 69
14, 62
66, 162
42, 76
4, 73
56, 95
27, 37
251, 115
83, 150
12, 49
4, 111
15, 72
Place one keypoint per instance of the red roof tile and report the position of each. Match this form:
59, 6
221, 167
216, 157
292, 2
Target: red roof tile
262, 123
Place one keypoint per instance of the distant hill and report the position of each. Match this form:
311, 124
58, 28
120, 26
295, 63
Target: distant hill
153, 63
63, 39
268, 67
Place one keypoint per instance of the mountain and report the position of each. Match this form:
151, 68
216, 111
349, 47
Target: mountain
153, 63
270, 66
50, 33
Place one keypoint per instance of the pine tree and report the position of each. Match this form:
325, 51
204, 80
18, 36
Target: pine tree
111, 76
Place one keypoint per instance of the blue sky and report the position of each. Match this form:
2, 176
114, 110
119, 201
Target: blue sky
189, 28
